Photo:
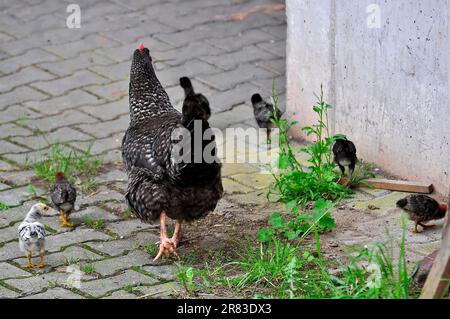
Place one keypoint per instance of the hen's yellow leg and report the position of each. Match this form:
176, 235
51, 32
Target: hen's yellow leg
41, 260
29, 265
64, 220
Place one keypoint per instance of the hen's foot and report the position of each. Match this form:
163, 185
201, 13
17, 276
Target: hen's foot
426, 226
28, 266
65, 222
166, 247
40, 265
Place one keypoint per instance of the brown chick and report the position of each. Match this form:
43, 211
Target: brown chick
63, 196
421, 209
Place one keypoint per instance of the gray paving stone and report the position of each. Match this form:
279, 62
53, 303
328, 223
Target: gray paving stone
111, 266
135, 34
112, 176
104, 129
223, 101
277, 48
16, 196
66, 118
100, 287
61, 135
72, 99
115, 247
43, 22
190, 51
27, 75
56, 242
99, 146
33, 11
18, 178
30, 57
277, 66
120, 294
166, 272
17, 113
128, 227
162, 291
115, 72
56, 293
18, 95
76, 80
7, 147
278, 31
9, 271
240, 40
113, 156
108, 111
71, 49
103, 193
8, 234
230, 60
38, 282
111, 91
70, 254
237, 114
230, 79
93, 213
69, 66
6, 293
10, 251
171, 76
7, 130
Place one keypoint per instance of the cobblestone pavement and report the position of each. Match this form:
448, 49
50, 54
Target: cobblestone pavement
70, 86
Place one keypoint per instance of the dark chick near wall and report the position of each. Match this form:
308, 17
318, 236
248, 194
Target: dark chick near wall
345, 155
160, 182
264, 113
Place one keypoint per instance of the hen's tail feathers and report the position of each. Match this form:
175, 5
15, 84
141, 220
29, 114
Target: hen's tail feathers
186, 84
402, 203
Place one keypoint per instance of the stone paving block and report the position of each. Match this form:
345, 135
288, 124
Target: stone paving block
27, 75
229, 169
66, 118
56, 293
72, 99
18, 95
31, 12
266, 85
277, 66
383, 203
113, 156
101, 194
171, 76
8, 234
56, 242
259, 181
128, 227
15, 196
164, 291
99, 146
236, 115
71, 49
9, 271
236, 42
135, 34
69, 66
38, 282
100, 287
71, 254
110, 92
125, 52
115, 72
7, 130
115, 247
224, 101
61, 135
106, 128
279, 31
6, 293
92, 213
120, 294
230, 60
191, 51
18, 178
43, 22
165, 272
30, 57
7, 147
108, 111
230, 79
76, 80
231, 187
257, 198
110, 266
278, 48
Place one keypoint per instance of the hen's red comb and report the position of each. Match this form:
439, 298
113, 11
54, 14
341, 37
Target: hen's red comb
141, 47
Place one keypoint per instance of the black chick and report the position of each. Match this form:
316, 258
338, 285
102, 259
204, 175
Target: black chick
264, 113
345, 155
63, 196
195, 105
422, 208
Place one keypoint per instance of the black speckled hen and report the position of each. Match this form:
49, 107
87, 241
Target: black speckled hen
264, 113
160, 184
421, 209
63, 195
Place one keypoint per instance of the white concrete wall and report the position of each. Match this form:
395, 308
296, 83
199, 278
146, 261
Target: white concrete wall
389, 86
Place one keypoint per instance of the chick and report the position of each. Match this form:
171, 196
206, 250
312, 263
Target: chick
264, 113
32, 234
345, 155
422, 208
195, 105
63, 196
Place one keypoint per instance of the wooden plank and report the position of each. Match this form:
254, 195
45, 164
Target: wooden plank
438, 280
396, 185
